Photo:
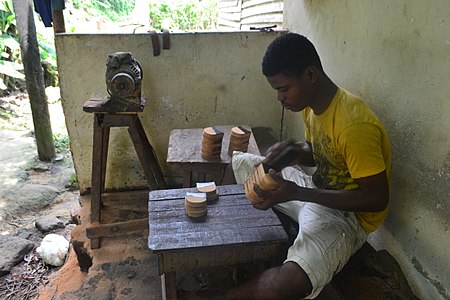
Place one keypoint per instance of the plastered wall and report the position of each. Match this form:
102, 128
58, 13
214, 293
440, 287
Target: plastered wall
396, 55
204, 79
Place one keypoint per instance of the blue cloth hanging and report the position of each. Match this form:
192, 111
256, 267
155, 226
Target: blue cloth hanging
44, 9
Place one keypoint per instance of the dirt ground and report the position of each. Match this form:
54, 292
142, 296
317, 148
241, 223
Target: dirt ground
21, 165
22, 174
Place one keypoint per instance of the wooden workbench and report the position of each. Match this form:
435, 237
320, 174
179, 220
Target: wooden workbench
233, 232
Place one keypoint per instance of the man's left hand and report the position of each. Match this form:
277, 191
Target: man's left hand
285, 192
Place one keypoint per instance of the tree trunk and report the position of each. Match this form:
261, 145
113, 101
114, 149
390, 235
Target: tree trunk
34, 79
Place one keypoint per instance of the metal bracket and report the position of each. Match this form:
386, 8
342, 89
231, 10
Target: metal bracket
264, 29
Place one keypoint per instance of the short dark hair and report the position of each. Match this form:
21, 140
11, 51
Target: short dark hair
290, 54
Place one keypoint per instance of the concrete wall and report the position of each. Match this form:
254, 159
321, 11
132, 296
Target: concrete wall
204, 79
396, 55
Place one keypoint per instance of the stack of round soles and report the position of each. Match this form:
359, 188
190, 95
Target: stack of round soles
211, 143
195, 204
238, 140
210, 189
263, 180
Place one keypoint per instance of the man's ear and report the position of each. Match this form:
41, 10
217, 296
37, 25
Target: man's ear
311, 74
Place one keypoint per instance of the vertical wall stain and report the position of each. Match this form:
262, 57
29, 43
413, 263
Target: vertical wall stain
437, 284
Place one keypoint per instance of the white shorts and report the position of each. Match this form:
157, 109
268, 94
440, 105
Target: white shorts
327, 237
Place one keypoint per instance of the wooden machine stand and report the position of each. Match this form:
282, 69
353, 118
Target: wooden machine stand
104, 119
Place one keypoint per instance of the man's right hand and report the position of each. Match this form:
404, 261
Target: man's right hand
288, 153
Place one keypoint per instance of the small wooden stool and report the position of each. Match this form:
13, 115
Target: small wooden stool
104, 119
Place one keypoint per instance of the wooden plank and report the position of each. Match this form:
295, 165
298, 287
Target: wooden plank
229, 3
194, 240
216, 214
233, 201
187, 176
169, 286
210, 257
231, 16
230, 220
215, 222
263, 10
96, 230
225, 24
249, 3
230, 9
97, 169
58, 21
263, 19
237, 205
117, 120
141, 195
231, 189
162, 195
135, 205
147, 155
112, 215
99, 149
104, 159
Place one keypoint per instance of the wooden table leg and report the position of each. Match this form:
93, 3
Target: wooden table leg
187, 174
219, 174
99, 158
169, 286
146, 154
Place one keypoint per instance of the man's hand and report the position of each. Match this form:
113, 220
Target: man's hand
372, 195
285, 192
289, 153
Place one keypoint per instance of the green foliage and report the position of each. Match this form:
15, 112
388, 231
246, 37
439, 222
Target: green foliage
9, 46
184, 15
4, 114
73, 180
61, 142
7, 18
114, 10
10, 65
46, 49
11, 69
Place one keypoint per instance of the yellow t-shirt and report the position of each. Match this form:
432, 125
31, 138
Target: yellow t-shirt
348, 142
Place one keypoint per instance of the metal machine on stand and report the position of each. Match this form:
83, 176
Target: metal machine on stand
119, 109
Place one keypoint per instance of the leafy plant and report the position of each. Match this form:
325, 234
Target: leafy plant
9, 46
7, 23
10, 60
114, 10
184, 15
4, 114
61, 142
46, 49
73, 180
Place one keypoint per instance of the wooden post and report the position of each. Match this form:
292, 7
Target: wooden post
58, 21
35, 79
